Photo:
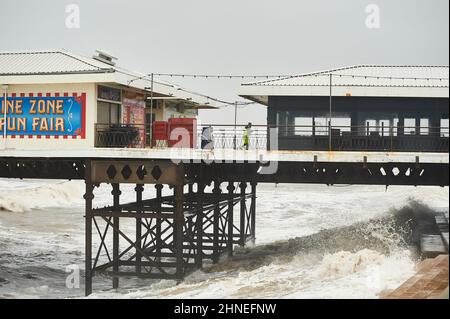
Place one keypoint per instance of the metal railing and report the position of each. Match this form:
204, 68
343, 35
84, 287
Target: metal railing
289, 137
231, 137
119, 136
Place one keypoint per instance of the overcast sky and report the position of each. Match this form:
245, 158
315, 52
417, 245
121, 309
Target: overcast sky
234, 36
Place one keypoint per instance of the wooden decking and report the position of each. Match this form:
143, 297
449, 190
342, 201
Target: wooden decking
430, 282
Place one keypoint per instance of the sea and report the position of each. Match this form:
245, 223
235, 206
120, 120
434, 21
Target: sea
312, 242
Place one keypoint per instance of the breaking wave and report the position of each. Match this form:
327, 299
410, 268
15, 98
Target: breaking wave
357, 261
41, 196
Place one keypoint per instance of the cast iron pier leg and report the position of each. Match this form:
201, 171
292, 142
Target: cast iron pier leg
253, 212
178, 230
242, 228
139, 189
88, 197
159, 188
216, 217
116, 202
230, 213
199, 226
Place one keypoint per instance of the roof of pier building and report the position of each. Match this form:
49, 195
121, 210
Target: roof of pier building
61, 66
360, 80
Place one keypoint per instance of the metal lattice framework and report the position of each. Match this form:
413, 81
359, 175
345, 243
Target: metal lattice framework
165, 237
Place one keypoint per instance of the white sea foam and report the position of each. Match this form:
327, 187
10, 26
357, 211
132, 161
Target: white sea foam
312, 242
38, 195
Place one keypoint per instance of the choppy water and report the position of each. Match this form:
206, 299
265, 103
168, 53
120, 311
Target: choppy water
312, 242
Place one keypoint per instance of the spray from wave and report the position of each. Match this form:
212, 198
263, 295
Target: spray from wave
47, 195
357, 261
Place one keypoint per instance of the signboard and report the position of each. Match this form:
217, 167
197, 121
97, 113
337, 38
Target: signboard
133, 113
44, 116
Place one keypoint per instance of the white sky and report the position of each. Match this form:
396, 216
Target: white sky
234, 37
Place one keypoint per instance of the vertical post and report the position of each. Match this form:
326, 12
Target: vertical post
368, 136
243, 217
199, 226
417, 125
401, 125
331, 112
178, 230
391, 134
5, 107
253, 212
116, 220
139, 189
88, 197
159, 188
216, 217
151, 109
230, 213
235, 126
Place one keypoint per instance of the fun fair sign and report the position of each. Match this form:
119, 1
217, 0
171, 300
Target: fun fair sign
49, 115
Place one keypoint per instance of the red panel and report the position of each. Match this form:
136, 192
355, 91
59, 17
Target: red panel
160, 131
178, 126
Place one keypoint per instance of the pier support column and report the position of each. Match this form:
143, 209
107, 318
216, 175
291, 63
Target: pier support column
253, 212
230, 218
88, 197
178, 230
139, 190
116, 227
199, 226
216, 220
243, 215
158, 243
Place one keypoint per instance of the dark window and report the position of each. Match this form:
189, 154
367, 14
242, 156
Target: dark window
108, 113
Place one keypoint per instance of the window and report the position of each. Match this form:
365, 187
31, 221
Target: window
321, 124
371, 127
444, 128
410, 126
303, 126
102, 113
108, 113
424, 126
384, 127
396, 123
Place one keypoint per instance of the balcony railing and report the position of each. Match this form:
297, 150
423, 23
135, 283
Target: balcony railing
119, 136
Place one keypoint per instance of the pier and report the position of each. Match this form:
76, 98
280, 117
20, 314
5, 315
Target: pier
174, 235
97, 122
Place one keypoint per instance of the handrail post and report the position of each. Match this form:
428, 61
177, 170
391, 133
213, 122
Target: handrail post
329, 136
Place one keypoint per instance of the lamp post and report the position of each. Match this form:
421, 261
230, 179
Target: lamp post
331, 113
151, 108
5, 89
235, 125
151, 112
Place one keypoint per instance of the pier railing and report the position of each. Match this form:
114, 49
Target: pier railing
288, 137
119, 136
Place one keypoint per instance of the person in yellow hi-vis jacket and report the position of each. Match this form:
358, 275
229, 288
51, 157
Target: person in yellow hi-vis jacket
246, 137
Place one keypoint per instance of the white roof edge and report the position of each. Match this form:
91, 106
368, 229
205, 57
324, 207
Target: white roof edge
365, 80
101, 73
